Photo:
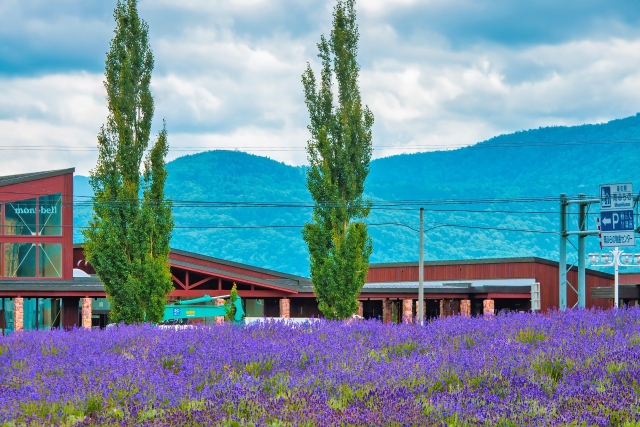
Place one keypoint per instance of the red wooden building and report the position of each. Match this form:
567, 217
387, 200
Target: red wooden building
46, 282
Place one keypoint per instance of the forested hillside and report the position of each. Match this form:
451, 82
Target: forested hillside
524, 165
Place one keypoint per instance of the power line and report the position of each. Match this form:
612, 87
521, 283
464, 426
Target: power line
486, 144
381, 224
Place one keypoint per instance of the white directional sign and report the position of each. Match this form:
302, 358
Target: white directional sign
616, 215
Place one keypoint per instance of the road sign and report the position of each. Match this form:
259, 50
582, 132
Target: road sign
616, 215
617, 220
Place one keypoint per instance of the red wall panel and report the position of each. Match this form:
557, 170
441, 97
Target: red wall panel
545, 273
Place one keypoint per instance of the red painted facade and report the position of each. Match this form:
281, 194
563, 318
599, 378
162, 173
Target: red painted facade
629, 279
543, 271
34, 189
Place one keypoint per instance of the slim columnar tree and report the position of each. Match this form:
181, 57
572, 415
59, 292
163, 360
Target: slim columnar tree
127, 241
339, 154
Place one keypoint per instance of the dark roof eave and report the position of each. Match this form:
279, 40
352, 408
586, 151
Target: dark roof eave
453, 290
26, 177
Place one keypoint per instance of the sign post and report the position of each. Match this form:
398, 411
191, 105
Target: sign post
617, 223
616, 215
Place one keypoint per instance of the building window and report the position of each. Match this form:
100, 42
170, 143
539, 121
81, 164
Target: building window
50, 215
20, 218
49, 260
19, 260
254, 307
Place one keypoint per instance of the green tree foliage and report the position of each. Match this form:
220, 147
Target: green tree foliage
339, 153
230, 308
127, 241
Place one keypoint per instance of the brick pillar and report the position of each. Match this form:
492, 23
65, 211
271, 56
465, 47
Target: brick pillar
445, 308
360, 309
465, 308
407, 310
285, 305
86, 313
18, 314
488, 307
387, 311
219, 319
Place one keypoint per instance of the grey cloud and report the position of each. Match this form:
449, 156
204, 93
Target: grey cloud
514, 22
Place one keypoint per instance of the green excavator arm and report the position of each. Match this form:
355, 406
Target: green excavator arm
188, 309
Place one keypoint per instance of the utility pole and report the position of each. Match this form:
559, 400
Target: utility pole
582, 233
582, 253
562, 267
421, 271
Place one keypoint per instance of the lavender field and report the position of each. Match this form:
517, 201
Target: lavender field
578, 368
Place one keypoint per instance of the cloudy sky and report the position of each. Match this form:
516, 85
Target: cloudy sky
436, 73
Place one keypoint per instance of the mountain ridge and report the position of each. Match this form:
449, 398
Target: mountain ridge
529, 164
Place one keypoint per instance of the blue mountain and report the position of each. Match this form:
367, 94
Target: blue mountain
484, 201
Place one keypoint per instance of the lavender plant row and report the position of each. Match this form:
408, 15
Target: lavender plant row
577, 368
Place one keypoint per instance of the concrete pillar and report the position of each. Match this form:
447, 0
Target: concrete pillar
488, 307
86, 313
219, 319
285, 308
407, 310
387, 311
18, 314
360, 309
465, 308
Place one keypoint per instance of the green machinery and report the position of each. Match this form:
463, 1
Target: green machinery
180, 311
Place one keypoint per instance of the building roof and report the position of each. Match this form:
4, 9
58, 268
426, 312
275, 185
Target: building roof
32, 176
284, 277
279, 283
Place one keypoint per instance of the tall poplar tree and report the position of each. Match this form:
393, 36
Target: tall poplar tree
127, 241
339, 154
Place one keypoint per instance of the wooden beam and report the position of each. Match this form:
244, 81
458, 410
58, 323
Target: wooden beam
195, 293
175, 279
236, 279
200, 282
381, 296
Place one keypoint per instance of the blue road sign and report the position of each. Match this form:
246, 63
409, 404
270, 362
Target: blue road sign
616, 215
617, 220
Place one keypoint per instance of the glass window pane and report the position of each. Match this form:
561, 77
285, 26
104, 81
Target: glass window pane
29, 314
254, 307
46, 313
6, 320
50, 260
20, 218
20, 260
50, 215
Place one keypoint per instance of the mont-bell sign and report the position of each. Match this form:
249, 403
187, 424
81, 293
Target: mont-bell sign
43, 210
616, 215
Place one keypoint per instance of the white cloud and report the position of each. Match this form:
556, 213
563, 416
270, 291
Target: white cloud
228, 76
